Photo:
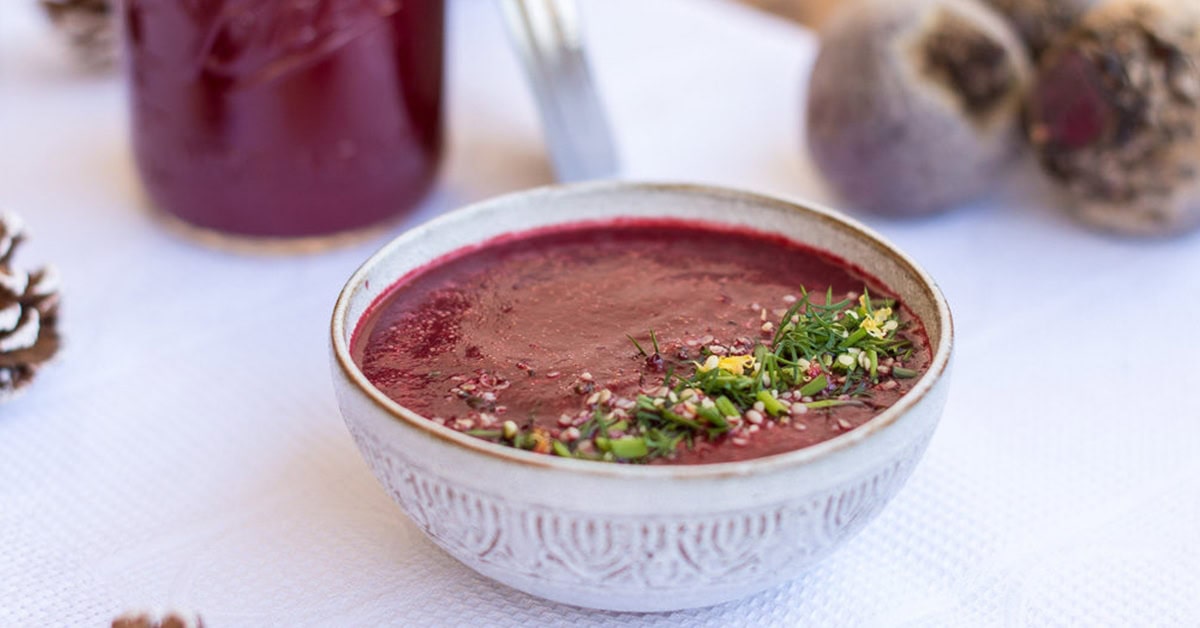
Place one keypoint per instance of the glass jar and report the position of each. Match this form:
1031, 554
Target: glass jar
285, 118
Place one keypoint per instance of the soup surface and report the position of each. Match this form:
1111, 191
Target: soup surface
656, 342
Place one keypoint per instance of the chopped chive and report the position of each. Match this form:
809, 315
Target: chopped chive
713, 416
815, 386
854, 337
675, 418
484, 433
726, 407
833, 403
903, 373
654, 341
646, 415
773, 406
561, 449
629, 447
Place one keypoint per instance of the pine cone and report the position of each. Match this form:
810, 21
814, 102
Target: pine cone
89, 27
28, 313
171, 619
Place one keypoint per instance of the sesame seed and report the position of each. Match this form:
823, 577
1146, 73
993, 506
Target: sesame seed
798, 409
800, 426
707, 339
755, 417
739, 441
487, 419
845, 424
760, 406
585, 376
752, 429
566, 420
501, 409
889, 385
605, 395
463, 425
571, 434
768, 326
552, 375
789, 298
468, 387
488, 396
884, 369
717, 350
593, 399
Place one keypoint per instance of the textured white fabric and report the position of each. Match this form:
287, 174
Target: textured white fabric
186, 451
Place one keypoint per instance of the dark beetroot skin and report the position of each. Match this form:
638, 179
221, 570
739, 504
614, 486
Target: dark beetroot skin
1069, 105
539, 309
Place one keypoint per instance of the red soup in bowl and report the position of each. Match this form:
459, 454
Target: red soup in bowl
643, 341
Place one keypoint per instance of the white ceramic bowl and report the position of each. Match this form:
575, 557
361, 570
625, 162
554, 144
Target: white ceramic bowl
628, 537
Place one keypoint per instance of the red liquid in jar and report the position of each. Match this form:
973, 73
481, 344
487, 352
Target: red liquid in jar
285, 118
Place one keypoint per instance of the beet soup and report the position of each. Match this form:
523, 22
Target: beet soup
642, 341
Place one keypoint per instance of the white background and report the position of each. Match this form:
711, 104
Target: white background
187, 452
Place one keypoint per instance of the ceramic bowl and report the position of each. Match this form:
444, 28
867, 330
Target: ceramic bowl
636, 537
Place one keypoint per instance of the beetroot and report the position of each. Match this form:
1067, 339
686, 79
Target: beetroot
913, 105
1114, 116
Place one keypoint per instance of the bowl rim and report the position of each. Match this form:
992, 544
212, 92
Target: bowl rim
790, 459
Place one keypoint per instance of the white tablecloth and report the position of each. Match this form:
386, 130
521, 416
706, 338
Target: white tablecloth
186, 451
